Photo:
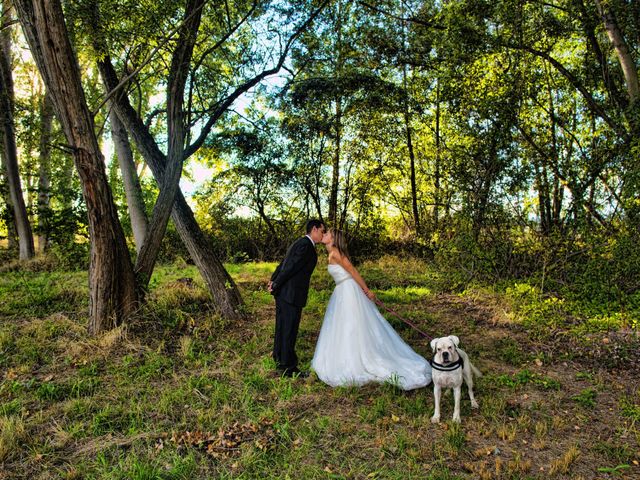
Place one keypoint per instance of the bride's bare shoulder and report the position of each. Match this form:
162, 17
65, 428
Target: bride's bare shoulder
334, 258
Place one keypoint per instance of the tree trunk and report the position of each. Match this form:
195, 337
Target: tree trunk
412, 157
44, 172
12, 235
543, 197
178, 73
335, 176
10, 150
111, 279
437, 194
621, 48
225, 293
130, 180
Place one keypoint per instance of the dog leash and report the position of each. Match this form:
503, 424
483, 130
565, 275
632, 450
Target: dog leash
396, 314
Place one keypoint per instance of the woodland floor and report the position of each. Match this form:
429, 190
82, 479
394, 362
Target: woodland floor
182, 393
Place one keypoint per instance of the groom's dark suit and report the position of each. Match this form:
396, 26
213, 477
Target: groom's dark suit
290, 286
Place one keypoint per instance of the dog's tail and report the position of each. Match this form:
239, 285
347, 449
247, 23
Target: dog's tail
475, 371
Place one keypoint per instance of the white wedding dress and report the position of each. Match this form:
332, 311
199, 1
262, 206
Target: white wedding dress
357, 345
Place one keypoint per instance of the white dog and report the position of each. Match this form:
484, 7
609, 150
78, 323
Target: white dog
450, 366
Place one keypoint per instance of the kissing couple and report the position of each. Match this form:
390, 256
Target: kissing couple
356, 344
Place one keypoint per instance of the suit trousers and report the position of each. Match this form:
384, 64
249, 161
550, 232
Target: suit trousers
287, 324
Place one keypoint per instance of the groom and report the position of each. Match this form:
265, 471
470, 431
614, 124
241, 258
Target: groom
289, 284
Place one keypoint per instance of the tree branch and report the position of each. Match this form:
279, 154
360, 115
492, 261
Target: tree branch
126, 79
404, 19
220, 107
594, 106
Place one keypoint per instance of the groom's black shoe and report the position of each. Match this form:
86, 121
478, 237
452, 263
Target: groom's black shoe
294, 373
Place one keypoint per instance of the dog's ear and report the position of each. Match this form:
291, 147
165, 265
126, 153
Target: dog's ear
433, 344
455, 340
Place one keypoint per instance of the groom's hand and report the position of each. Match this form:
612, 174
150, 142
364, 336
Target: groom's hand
270, 286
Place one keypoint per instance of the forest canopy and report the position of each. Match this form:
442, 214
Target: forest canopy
498, 138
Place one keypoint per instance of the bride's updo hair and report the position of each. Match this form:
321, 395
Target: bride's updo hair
340, 242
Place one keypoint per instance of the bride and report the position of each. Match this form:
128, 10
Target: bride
356, 344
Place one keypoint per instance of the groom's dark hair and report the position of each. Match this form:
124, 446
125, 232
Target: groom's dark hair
314, 223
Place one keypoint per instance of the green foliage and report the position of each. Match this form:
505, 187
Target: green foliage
12, 407
455, 437
511, 352
116, 419
616, 452
533, 309
586, 398
131, 467
524, 377
51, 391
630, 407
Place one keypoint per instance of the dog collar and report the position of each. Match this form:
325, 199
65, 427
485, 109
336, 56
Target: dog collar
447, 368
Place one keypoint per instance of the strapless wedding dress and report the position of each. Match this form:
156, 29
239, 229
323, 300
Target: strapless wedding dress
357, 345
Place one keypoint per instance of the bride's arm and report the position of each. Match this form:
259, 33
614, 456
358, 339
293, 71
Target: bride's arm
348, 266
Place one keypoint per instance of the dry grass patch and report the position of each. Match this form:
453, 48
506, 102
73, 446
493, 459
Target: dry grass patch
12, 433
564, 463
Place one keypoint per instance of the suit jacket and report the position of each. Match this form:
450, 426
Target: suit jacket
290, 281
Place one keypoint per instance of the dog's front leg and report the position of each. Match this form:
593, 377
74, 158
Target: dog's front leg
468, 379
436, 400
457, 393
474, 403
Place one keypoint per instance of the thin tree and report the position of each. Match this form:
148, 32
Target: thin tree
10, 150
130, 180
44, 171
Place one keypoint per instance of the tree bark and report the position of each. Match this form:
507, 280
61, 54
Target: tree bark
111, 278
178, 73
621, 48
44, 171
437, 174
10, 150
130, 180
335, 176
412, 156
225, 293
12, 235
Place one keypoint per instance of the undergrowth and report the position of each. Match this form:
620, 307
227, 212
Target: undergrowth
182, 393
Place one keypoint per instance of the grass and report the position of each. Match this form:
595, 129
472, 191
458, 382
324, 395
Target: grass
182, 393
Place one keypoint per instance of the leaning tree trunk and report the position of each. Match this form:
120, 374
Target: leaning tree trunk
111, 279
130, 180
627, 63
44, 172
226, 295
10, 150
179, 70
